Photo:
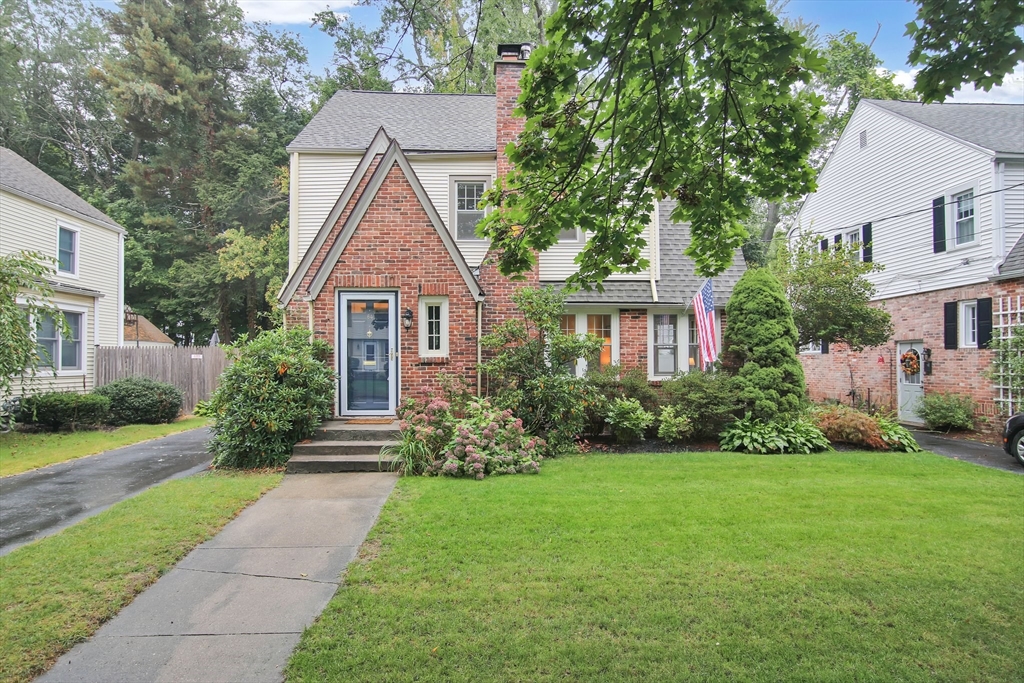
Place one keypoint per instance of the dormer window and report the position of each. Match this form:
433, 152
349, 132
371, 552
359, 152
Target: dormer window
467, 206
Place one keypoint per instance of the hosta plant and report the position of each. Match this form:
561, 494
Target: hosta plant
780, 436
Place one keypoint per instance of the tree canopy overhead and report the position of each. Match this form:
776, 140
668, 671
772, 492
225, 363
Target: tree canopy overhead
634, 101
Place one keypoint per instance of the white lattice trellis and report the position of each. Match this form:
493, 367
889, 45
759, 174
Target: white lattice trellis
1008, 314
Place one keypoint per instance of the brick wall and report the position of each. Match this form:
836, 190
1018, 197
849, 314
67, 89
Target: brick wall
916, 317
633, 338
507, 72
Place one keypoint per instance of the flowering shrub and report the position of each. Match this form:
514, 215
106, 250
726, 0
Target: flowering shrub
489, 441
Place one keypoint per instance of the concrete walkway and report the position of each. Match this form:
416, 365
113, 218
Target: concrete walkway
968, 451
42, 502
234, 608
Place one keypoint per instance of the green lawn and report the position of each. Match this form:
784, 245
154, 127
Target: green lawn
709, 566
20, 451
57, 591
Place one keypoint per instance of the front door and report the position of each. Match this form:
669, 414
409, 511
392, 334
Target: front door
909, 387
367, 353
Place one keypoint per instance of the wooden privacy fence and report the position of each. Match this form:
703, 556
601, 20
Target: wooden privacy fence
193, 369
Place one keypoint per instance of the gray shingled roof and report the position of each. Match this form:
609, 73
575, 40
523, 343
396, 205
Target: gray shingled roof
420, 122
679, 280
996, 127
1013, 264
20, 177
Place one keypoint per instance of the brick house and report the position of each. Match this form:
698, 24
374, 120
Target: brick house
935, 193
385, 264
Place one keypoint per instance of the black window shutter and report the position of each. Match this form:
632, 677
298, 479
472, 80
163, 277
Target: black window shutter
865, 240
984, 322
949, 310
939, 226
824, 245
824, 347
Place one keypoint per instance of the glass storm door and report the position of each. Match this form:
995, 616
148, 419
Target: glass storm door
910, 389
367, 353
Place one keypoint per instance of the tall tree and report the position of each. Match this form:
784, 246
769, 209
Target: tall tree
431, 45
964, 41
631, 102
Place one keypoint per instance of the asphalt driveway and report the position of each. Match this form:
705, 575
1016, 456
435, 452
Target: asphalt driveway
41, 502
968, 451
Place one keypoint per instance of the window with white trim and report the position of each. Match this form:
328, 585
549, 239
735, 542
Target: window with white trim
811, 347
693, 343
67, 250
467, 209
58, 350
599, 323
963, 217
569, 235
852, 239
969, 324
666, 344
433, 327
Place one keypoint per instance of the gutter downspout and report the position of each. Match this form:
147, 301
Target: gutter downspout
654, 266
479, 348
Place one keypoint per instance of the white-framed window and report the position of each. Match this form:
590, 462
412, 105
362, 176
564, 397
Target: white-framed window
569, 235
811, 347
57, 351
67, 250
665, 334
603, 323
466, 209
852, 239
969, 324
692, 344
433, 327
962, 206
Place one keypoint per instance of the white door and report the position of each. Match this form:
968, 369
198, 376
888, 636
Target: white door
909, 387
367, 353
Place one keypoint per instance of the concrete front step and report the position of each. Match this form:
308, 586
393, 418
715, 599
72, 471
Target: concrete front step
339, 430
308, 464
369, 448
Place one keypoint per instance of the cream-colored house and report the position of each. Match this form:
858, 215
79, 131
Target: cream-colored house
39, 214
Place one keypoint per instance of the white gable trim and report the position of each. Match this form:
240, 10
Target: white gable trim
77, 215
944, 134
378, 145
393, 155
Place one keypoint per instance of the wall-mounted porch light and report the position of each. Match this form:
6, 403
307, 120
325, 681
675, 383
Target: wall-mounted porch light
407, 319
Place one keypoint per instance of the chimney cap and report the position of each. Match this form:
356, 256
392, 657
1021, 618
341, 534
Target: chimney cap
514, 51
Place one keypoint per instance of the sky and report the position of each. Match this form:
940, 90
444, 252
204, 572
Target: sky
864, 17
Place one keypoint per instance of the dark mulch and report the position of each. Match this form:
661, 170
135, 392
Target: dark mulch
606, 444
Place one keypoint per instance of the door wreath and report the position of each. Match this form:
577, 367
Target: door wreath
910, 362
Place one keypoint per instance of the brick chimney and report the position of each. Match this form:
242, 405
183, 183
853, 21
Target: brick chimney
507, 70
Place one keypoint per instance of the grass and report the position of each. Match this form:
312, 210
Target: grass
22, 451
701, 566
57, 591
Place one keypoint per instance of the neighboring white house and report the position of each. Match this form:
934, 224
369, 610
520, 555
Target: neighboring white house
935, 193
39, 214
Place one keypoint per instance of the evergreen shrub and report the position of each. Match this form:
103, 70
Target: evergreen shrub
947, 412
141, 400
64, 410
275, 394
710, 400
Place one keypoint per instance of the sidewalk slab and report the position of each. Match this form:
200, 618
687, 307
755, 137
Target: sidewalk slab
235, 607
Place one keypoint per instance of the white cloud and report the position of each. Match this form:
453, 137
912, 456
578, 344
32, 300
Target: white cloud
288, 11
1010, 92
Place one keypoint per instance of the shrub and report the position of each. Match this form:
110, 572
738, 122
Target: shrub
489, 441
426, 432
141, 400
947, 411
64, 410
611, 382
673, 425
841, 424
628, 420
274, 395
760, 344
896, 436
709, 399
757, 436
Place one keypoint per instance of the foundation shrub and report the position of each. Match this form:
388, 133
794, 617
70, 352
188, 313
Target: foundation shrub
488, 441
947, 412
141, 400
673, 425
64, 411
611, 382
798, 436
896, 436
841, 424
710, 400
628, 420
274, 395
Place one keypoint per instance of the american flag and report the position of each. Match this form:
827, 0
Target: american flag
704, 310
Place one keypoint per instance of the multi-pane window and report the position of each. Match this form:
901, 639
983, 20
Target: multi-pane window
693, 346
58, 350
433, 327
969, 324
67, 251
568, 324
665, 344
963, 206
600, 325
853, 240
468, 208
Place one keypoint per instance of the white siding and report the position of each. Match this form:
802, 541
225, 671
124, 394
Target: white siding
1013, 203
558, 262
902, 169
25, 225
